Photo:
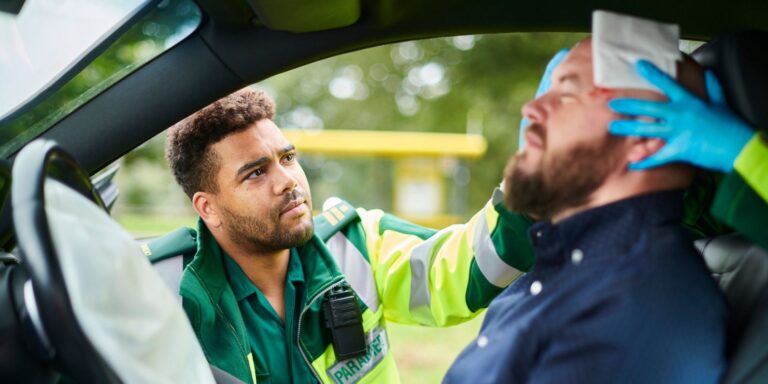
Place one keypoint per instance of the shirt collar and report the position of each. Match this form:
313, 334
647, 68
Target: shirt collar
242, 286
317, 264
295, 270
207, 263
605, 230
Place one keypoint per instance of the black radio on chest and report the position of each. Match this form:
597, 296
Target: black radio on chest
345, 321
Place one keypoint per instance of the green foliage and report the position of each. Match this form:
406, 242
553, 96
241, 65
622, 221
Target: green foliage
473, 84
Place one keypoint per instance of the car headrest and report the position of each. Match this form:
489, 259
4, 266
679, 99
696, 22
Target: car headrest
740, 61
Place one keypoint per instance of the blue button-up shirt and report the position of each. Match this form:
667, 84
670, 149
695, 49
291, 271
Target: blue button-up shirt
618, 295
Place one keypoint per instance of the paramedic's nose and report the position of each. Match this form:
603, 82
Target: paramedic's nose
286, 181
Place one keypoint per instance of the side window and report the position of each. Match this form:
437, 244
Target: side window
72, 77
421, 129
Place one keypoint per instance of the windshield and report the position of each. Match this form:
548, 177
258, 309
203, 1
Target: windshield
27, 60
32, 101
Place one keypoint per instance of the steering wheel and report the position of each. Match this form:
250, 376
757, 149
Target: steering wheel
58, 335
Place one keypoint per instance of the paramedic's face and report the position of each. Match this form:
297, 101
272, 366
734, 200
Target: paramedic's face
263, 199
568, 152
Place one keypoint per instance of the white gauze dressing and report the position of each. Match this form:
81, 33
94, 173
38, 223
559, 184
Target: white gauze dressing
619, 41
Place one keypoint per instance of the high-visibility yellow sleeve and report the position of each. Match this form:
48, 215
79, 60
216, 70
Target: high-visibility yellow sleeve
439, 278
752, 165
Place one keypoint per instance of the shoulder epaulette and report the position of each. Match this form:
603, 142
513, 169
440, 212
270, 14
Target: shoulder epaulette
182, 241
334, 218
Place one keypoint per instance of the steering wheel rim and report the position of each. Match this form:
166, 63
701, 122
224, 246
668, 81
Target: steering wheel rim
68, 343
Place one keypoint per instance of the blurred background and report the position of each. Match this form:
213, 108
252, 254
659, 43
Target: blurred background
421, 129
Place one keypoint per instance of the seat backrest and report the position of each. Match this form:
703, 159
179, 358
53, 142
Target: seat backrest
739, 62
170, 270
741, 269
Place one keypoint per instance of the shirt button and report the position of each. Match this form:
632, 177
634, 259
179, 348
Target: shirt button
482, 341
576, 256
538, 234
536, 288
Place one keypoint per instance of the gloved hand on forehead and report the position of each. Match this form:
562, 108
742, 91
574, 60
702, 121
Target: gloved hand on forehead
706, 134
544, 84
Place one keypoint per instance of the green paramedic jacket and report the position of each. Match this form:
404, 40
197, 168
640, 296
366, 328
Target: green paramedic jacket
742, 197
400, 272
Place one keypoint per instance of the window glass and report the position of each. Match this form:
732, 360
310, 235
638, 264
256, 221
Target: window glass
28, 60
158, 30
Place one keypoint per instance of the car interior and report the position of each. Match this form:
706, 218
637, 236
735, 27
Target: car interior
740, 267
44, 330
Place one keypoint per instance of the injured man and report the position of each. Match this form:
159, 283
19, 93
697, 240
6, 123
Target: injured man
618, 293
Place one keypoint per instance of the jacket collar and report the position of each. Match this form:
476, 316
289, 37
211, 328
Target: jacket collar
319, 267
317, 264
242, 287
208, 262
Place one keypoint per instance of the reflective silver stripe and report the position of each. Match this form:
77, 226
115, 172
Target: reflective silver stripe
170, 271
356, 269
421, 261
491, 265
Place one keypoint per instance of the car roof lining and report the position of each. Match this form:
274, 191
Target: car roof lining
228, 56
698, 18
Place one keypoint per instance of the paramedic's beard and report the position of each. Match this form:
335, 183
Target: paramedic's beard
560, 181
269, 234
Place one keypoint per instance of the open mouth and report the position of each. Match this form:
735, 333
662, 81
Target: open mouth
533, 140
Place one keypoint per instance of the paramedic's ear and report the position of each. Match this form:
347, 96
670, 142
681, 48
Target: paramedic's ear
205, 207
641, 148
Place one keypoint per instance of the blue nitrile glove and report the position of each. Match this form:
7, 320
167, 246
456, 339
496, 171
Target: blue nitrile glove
706, 134
544, 84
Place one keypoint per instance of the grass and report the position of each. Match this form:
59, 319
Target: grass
142, 226
423, 355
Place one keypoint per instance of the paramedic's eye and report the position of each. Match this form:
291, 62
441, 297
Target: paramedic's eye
256, 173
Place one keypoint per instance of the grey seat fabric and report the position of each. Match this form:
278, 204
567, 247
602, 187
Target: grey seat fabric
223, 377
170, 271
741, 269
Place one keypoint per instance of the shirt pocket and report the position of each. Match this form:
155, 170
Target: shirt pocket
263, 378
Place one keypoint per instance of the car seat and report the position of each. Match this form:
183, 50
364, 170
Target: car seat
740, 267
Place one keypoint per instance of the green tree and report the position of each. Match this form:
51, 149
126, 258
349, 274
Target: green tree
457, 84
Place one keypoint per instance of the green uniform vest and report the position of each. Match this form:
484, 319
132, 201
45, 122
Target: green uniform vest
741, 199
400, 272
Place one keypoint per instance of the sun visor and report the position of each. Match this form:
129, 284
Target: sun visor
306, 15
619, 41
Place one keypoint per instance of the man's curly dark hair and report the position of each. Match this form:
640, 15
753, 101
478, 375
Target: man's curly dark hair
188, 149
